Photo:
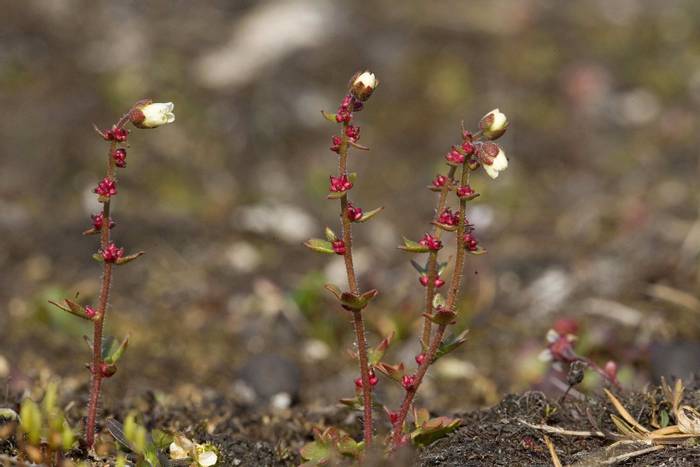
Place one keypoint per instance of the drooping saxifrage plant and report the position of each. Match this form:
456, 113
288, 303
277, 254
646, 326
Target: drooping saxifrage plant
362, 85
475, 150
145, 114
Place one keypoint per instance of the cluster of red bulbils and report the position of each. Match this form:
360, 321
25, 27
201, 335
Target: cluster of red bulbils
373, 380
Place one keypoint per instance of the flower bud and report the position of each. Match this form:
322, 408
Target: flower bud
107, 370
420, 358
454, 156
119, 156
439, 181
111, 254
408, 381
106, 188
90, 312
492, 158
336, 142
431, 242
152, 114
465, 192
363, 85
119, 134
338, 247
340, 184
354, 213
493, 124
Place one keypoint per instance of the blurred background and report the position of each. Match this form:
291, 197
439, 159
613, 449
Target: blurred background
596, 220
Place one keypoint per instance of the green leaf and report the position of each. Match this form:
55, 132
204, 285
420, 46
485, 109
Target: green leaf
479, 251
129, 258
395, 372
316, 452
161, 439
434, 429
450, 344
330, 235
112, 349
98, 257
72, 308
421, 269
413, 247
336, 194
353, 302
376, 353
329, 116
334, 289
370, 214
441, 267
664, 419
442, 316
320, 245
420, 416
445, 227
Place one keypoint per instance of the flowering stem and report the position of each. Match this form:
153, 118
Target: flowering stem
433, 260
354, 289
455, 283
103, 304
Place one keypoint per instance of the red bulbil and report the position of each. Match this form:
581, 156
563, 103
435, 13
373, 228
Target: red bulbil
338, 247
119, 156
470, 242
335, 144
340, 184
431, 242
439, 181
90, 311
610, 371
465, 191
423, 279
120, 134
98, 221
112, 253
468, 148
448, 217
393, 416
420, 358
454, 156
107, 370
354, 214
373, 380
358, 383
408, 382
353, 132
106, 188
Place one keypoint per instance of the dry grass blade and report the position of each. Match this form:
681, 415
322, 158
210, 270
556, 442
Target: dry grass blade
624, 413
629, 455
628, 431
562, 431
552, 451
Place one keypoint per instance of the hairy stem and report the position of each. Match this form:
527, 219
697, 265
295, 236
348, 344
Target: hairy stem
354, 289
433, 261
102, 305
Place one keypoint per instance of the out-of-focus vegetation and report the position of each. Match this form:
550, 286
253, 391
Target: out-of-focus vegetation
597, 217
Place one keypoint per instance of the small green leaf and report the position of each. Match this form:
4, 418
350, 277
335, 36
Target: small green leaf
357, 145
370, 214
352, 176
445, 227
450, 344
320, 245
98, 257
72, 308
420, 416
434, 429
329, 116
441, 267
330, 235
129, 258
353, 302
442, 316
315, 452
421, 269
479, 251
413, 247
112, 349
395, 372
376, 353
334, 289
161, 439
664, 419
336, 194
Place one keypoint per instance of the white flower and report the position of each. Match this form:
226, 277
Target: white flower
493, 124
180, 448
206, 455
153, 114
363, 85
493, 159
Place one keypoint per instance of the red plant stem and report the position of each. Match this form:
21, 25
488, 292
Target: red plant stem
433, 261
455, 283
354, 289
102, 306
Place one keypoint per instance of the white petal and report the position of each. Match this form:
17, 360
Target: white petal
552, 336
176, 451
500, 162
207, 458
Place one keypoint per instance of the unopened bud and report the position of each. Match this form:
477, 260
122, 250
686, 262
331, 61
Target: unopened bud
363, 85
152, 114
493, 124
